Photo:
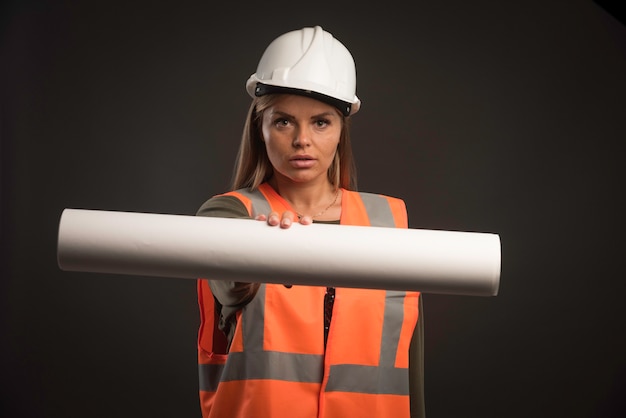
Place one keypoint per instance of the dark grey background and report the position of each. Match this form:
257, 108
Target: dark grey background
488, 116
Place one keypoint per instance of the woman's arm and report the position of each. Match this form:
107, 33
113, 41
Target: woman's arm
231, 296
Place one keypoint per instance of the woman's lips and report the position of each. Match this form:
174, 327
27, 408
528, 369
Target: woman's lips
302, 161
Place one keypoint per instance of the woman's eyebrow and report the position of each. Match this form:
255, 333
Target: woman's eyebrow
323, 115
281, 113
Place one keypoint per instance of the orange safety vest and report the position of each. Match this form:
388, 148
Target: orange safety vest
277, 365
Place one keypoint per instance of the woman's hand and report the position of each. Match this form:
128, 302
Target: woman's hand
284, 220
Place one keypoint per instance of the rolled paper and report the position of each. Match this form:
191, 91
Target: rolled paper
245, 250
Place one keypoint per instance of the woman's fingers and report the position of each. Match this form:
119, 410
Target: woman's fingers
273, 219
306, 220
284, 220
287, 219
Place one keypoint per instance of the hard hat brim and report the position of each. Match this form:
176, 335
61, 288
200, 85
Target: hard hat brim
346, 108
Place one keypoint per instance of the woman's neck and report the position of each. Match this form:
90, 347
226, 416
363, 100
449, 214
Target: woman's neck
320, 200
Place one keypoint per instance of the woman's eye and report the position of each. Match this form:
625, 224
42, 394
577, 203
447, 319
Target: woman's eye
321, 123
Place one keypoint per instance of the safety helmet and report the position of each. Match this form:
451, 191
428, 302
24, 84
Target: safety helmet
309, 62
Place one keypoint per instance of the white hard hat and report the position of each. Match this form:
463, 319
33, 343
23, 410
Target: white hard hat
311, 62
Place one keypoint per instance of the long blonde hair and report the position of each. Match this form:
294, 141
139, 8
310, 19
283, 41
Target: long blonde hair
253, 166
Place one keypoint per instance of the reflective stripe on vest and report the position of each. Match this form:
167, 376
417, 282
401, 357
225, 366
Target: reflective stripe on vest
260, 205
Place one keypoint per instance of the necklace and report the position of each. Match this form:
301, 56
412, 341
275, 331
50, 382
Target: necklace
300, 216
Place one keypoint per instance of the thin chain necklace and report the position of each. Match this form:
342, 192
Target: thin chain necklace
300, 216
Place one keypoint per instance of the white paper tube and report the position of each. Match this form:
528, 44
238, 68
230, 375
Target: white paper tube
181, 246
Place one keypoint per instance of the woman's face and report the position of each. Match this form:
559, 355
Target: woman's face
301, 136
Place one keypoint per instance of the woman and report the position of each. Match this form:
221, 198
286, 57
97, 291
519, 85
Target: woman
268, 350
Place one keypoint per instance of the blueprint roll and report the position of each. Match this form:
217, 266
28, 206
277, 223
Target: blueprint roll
246, 250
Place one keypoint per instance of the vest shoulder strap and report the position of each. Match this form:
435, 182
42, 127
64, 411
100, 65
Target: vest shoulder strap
378, 209
259, 203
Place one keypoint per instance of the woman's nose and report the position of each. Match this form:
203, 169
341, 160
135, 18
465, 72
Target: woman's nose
302, 138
